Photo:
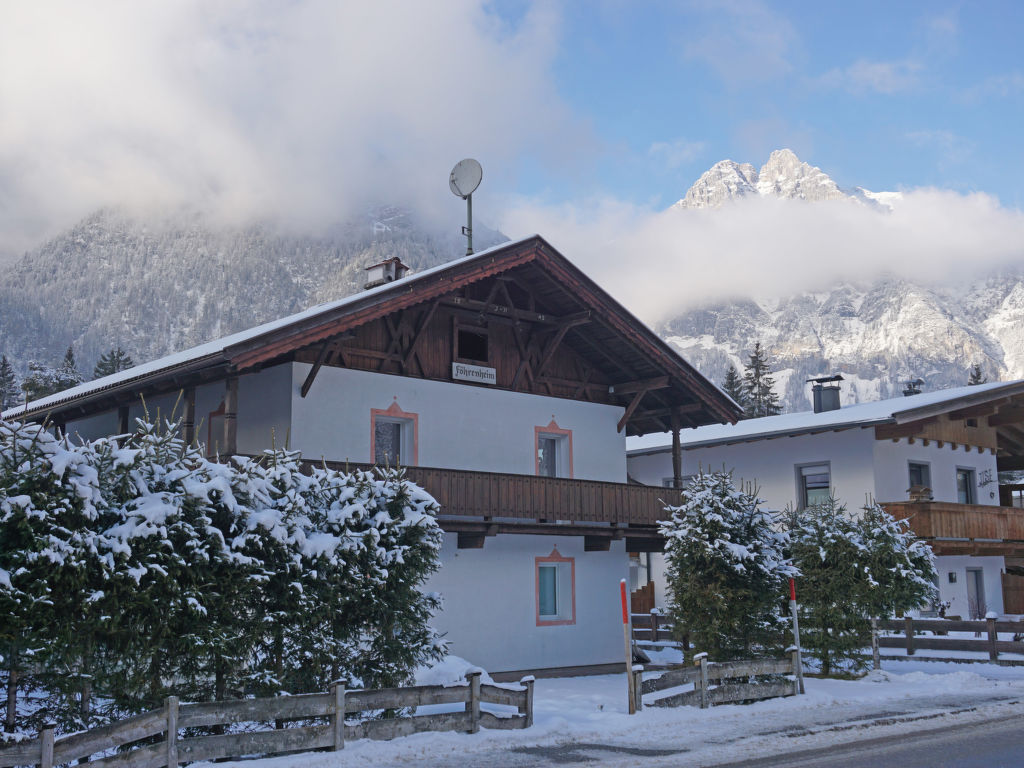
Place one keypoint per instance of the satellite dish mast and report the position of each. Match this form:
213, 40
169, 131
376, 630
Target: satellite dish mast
463, 181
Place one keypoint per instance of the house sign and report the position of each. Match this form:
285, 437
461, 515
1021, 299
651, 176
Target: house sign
478, 374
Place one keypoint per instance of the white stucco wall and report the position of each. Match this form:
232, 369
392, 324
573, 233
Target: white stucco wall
892, 477
956, 593
771, 464
460, 426
490, 604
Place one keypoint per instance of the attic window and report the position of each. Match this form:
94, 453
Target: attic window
471, 344
972, 422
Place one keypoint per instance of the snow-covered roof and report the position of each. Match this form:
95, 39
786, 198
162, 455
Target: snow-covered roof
893, 410
213, 349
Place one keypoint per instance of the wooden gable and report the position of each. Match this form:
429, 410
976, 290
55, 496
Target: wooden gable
546, 327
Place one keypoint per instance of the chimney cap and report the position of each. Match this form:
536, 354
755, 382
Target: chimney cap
826, 379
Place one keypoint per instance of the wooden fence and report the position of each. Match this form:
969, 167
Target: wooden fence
725, 682
654, 628
332, 707
912, 641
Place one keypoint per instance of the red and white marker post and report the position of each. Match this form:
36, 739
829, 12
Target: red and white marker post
798, 662
627, 635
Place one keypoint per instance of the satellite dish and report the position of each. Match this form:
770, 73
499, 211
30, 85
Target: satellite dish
465, 177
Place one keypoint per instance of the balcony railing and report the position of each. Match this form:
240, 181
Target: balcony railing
949, 520
500, 495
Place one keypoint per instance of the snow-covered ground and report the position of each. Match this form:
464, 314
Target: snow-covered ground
584, 720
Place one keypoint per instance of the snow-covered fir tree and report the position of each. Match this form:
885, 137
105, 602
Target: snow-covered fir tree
10, 392
111, 362
853, 569
759, 386
131, 571
733, 386
42, 380
726, 569
976, 376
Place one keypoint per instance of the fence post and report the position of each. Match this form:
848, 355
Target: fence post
46, 747
473, 705
338, 714
908, 630
654, 626
993, 652
527, 710
638, 679
798, 671
702, 662
876, 659
171, 706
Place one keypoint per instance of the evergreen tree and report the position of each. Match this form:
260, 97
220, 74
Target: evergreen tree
761, 399
825, 549
853, 569
10, 392
111, 362
733, 386
42, 380
726, 569
901, 568
976, 376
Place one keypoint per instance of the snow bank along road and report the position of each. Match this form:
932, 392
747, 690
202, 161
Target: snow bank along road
583, 721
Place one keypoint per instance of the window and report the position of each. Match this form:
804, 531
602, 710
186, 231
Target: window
553, 447
394, 436
471, 345
814, 483
965, 485
920, 474
556, 590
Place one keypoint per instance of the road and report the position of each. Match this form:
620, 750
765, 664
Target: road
987, 744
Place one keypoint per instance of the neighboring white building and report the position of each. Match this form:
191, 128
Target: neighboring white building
506, 382
951, 442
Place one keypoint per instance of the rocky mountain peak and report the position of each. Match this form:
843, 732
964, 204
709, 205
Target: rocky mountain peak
784, 176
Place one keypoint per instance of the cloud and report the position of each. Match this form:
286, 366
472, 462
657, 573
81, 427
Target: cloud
674, 154
886, 77
997, 86
300, 111
742, 41
662, 262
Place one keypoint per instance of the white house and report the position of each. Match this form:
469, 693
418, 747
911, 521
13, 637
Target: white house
944, 449
506, 382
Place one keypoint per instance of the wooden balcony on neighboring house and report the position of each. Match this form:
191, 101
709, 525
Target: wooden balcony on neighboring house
480, 504
964, 529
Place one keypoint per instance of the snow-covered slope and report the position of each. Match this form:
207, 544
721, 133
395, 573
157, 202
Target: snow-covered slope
156, 287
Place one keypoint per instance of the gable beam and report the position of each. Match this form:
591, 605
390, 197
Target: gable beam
630, 409
552, 346
411, 352
1006, 416
325, 351
643, 385
896, 431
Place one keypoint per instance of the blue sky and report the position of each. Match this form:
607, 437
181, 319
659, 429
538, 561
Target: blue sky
884, 95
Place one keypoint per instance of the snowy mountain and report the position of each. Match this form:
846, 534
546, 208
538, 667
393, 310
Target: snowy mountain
878, 334
154, 287
784, 176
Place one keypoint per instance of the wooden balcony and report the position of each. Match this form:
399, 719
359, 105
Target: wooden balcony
964, 529
496, 502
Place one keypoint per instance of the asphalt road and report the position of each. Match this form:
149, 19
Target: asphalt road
987, 744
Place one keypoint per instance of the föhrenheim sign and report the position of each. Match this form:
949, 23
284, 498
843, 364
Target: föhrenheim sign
478, 374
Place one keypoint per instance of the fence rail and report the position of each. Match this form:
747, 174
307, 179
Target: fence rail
911, 641
720, 683
334, 707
